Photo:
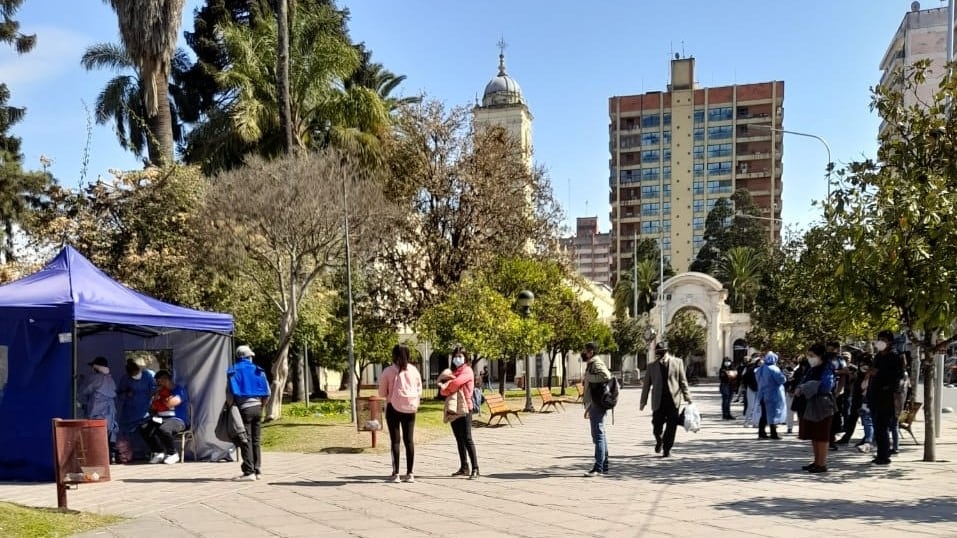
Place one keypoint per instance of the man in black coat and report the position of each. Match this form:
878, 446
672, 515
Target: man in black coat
881, 391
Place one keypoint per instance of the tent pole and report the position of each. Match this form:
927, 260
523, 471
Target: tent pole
73, 377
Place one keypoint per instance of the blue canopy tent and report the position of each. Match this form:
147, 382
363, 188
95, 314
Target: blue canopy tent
53, 322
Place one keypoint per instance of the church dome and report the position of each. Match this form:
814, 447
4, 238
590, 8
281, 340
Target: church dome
503, 89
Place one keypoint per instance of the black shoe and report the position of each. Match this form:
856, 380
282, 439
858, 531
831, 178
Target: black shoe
666, 454
475, 474
461, 472
818, 469
762, 436
894, 452
881, 461
808, 467
834, 447
658, 446
775, 436
843, 441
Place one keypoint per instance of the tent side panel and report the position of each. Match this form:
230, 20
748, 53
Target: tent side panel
36, 371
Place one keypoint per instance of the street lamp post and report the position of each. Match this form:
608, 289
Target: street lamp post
827, 148
649, 339
524, 302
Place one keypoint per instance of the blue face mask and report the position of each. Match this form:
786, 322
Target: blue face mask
458, 361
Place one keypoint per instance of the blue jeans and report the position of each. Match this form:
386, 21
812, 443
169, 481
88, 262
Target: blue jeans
596, 416
867, 421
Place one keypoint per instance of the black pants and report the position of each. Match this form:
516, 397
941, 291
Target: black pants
850, 425
160, 436
250, 451
665, 418
744, 399
763, 423
725, 400
462, 428
396, 419
882, 424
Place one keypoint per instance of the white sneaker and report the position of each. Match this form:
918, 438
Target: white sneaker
409, 478
157, 457
171, 459
394, 479
259, 476
246, 478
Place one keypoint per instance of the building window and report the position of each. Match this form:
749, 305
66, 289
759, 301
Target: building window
698, 188
666, 247
699, 115
649, 174
667, 190
667, 155
649, 191
719, 150
698, 152
698, 242
649, 209
649, 227
667, 118
650, 120
698, 134
666, 137
698, 206
667, 226
629, 176
720, 132
650, 155
722, 168
649, 139
698, 223
721, 113
719, 187
630, 141
666, 172
698, 169
666, 208
711, 203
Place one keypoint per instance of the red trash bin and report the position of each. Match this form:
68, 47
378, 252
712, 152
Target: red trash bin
81, 454
369, 415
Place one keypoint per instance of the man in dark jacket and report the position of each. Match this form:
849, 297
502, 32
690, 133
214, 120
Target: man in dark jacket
880, 393
249, 389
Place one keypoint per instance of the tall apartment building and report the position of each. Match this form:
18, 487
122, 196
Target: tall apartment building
675, 153
589, 249
922, 34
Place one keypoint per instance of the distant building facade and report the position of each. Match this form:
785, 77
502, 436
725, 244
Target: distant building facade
675, 153
589, 250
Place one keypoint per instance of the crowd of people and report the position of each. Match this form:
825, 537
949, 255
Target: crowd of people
829, 391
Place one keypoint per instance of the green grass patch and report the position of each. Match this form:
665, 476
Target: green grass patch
18, 521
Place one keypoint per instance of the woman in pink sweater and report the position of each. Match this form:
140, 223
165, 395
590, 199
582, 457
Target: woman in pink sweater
401, 386
462, 379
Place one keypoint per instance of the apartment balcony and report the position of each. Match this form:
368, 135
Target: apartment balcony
753, 156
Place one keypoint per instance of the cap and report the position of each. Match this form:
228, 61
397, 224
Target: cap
244, 351
99, 361
886, 335
662, 346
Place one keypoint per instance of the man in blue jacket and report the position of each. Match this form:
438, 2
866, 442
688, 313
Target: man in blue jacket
248, 389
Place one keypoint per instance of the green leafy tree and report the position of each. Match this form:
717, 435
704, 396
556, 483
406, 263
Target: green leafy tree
893, 221
628, 335
685, 335
729, 224
149, 30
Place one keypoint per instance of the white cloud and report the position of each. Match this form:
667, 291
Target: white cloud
58, 50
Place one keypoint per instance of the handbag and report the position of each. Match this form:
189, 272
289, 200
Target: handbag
799, 404
455, 406
229, 426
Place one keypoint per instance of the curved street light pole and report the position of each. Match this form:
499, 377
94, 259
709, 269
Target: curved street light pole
827, 148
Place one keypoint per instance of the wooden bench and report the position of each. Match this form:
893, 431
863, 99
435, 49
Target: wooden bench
548, 400
498, 408
580, 387
906, 418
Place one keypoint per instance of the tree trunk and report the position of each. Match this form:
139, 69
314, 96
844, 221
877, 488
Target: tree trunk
298, 384
280, 366
282, 74
551, 367
502, 364
160, 142
930, 407
564, 370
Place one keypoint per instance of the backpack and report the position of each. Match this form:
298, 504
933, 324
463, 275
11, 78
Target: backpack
605, 395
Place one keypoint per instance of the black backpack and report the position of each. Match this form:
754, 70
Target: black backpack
605, 395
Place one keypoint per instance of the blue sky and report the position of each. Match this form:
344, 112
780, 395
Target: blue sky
569, 58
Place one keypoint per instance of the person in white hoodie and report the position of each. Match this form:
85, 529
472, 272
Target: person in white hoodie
401, 386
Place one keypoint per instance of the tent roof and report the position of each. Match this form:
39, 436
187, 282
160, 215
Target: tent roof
71, 279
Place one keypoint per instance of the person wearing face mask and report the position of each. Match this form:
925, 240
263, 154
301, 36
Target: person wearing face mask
726, 378
815, 423
666, 376
771, 396
462, 378
98, 397
133, 394
881, 391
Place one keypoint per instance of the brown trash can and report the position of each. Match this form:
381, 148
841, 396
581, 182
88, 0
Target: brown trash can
369, 415
81, 454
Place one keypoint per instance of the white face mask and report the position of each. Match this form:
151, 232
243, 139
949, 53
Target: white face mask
881, 345
727, 363
137, 376
813, 360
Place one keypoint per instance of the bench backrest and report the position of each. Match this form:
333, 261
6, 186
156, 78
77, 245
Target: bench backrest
546, 394
495, 402
908, 414
580, 387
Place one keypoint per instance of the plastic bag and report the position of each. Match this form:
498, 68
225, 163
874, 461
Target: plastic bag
692, 418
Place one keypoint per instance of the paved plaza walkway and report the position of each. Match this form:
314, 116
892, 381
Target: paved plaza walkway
721, 481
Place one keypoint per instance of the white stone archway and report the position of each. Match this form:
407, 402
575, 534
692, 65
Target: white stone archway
705, 294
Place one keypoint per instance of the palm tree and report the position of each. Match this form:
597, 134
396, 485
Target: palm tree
149, 30
323, 110
740, 270
647, 288
375, 76
122, 101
